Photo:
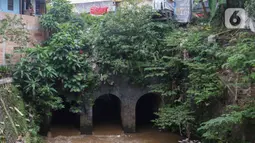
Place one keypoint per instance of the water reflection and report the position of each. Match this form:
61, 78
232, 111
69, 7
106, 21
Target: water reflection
67, 130
106, 128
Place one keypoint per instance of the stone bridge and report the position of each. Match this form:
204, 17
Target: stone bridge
128, 96
123, 98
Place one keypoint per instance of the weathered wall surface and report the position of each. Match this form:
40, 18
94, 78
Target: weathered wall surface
127, 93
4, 6
36, 36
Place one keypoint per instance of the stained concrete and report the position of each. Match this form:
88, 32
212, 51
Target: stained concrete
128, 94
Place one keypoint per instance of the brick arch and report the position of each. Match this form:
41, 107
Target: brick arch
107, 94
145, 104
106, 107
107, 89
146, 92
128, 94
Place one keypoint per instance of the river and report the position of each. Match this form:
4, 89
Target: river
109, 133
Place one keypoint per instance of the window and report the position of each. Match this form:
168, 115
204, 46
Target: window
39, 7
10, 4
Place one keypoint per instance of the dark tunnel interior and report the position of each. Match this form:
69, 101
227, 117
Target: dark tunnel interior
64, 117
146, 106
106, 109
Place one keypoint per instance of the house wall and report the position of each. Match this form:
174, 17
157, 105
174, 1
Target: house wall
146, 2
4, 6
36, 36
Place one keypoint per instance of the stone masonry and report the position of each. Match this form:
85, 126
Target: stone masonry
127, 93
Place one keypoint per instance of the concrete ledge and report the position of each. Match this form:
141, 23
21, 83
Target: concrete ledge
5, 80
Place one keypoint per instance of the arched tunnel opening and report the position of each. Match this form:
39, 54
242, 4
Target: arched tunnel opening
106, 111
64, 122
146, 107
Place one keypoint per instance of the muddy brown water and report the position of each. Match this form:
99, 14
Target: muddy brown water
109, 133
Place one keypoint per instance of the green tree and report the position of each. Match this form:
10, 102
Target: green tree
178, 118
186, 74
221, 128
60, 12
61, 68
128, 40
13, 29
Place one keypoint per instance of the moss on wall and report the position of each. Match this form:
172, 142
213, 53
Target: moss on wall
14, 118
